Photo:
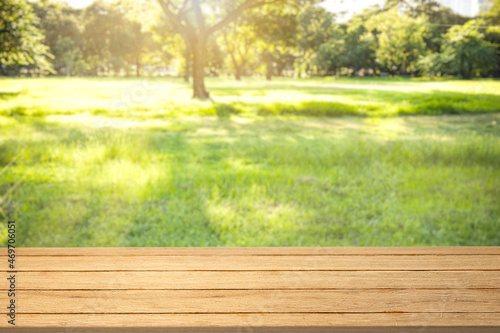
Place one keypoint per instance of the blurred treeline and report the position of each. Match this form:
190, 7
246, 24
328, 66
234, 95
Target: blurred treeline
134, 38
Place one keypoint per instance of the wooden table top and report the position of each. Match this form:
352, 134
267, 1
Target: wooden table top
350, 289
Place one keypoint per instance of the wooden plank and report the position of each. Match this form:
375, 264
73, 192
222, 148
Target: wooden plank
260, 251
259, 320
255, 263
283, 329
257, 289
257, 301
256, 280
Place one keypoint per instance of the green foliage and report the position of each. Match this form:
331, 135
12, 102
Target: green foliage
359, 46
466, 51
331, 56
81, 67
277, 29
315, 27
66, 52
239, 40
400, 39
294, 38
349, 46
57, 20
433, 64
492, 15
20, 40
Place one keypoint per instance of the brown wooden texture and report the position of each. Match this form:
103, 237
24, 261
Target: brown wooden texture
259, 263
270, 320
258, 280
257, 301
255, 290
248, 251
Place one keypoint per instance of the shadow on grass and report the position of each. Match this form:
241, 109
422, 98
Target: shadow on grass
368, 102
4, 95
173, 207
267, 183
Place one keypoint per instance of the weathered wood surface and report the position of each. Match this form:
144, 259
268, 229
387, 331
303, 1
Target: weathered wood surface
255, 290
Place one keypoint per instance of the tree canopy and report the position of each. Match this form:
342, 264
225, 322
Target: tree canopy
195, 38
20, 39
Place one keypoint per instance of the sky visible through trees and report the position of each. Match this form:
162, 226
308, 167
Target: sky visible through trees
332, 5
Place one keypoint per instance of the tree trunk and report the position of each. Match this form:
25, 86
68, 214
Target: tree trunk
299, 65
237, 68
67, 70
469, 70
237, 74
269, 71
137, 67
187, 58
281, 68
199, 57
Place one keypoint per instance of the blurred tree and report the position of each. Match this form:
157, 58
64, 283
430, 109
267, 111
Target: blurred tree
359, 45
400, 39
433, 64
440, 18
332, 56
239, 40
57, 20
66, 51
277, 30
492, 15
20, 39
129, 43
491, 18
117, 63
466, 52
112, 40
215, 57
414, 8
139, 22
81, 67
172, 46
98, 27
316, 26
440, 22
196, 20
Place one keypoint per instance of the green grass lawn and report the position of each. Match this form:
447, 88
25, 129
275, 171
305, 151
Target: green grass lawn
122, 162
167, 98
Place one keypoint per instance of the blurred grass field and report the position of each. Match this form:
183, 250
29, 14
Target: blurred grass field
158, 98
317, 162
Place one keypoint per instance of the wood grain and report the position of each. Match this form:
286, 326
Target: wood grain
256, 280
255, 290
258, 263
260, 320
261, 301
261, 251
259, 329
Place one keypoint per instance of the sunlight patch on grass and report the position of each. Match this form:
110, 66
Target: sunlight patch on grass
154, 98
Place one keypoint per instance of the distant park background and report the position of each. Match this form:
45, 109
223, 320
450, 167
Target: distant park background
249, 123
291, 38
